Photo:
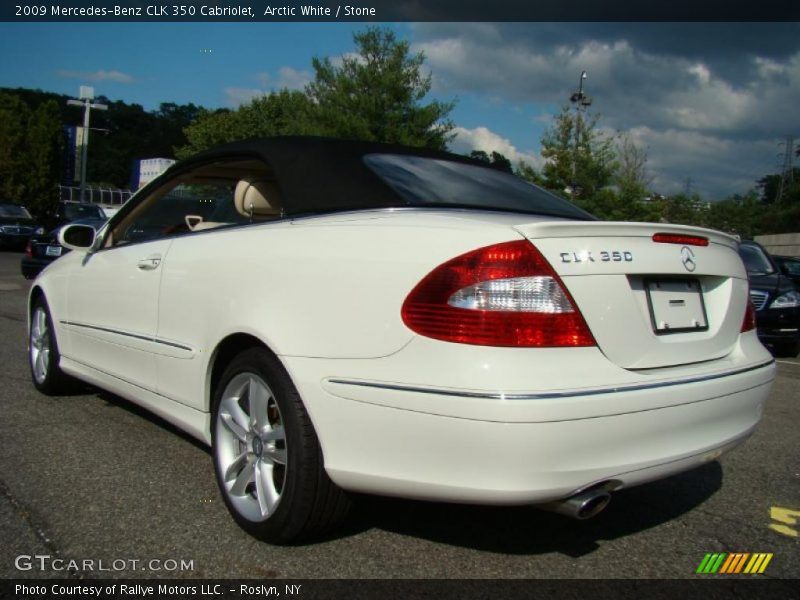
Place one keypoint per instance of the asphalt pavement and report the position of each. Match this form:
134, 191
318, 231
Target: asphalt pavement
91, 477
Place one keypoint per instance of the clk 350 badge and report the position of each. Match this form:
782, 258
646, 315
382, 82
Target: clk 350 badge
603, 256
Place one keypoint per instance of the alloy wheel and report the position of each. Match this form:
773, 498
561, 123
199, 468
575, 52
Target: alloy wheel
39, 344
251, 447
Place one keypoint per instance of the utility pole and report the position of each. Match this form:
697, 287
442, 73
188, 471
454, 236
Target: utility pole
86, 97
580, 102
787, 173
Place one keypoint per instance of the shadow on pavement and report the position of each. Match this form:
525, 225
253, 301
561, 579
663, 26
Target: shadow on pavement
527, 530
522, 530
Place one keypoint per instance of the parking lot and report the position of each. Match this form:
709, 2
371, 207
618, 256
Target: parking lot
92, 477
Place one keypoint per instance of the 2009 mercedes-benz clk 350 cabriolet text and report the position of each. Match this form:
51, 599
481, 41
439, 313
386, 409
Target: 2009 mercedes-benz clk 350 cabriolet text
340, 316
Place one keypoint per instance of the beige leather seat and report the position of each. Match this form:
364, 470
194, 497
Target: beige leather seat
196, 223
256, 197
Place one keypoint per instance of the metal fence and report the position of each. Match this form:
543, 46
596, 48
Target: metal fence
96, 195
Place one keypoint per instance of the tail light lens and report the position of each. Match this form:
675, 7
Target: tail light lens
29, 250
501, 295
749, 321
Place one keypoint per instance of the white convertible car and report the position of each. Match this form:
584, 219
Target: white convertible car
339, 316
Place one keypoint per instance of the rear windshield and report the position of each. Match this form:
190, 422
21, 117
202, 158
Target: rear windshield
755, 260
81, 211
425, 181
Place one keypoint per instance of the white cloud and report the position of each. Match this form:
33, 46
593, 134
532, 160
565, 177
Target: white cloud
710, 100
288, 78
293, 79
717, 166
101, 75
481, 138
237, 96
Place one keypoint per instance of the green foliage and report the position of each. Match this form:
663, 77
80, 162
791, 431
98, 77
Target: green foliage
377, 94
132, 133
374, 95
279, 113
14, 115
630, 175
30, 152
770, 187
612, 183
682, 209
579, 157
740, 215
45, 153
528, 173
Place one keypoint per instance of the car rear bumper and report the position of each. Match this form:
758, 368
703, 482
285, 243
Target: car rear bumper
778, 325
31, 267
485, 446
13, 241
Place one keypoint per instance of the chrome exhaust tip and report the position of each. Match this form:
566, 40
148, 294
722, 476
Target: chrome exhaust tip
581, 506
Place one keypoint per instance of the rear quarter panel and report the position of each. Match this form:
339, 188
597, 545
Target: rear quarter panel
316, 288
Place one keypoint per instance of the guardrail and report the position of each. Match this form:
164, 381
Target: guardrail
95, 195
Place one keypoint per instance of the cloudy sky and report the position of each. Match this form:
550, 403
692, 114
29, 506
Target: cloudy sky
710, 102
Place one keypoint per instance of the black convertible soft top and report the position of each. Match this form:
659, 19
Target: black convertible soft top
317, 174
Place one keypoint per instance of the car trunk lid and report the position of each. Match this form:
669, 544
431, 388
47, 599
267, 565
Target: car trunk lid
649, 304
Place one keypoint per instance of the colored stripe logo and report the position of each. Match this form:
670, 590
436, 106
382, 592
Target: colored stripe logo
734, 563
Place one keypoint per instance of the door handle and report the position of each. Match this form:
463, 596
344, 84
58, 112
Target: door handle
149, 263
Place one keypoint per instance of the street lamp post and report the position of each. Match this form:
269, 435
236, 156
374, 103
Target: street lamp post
580, 101
86, 97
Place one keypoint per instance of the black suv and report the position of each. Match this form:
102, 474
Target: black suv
16, 226
776, 300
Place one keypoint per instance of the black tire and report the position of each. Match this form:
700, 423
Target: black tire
43, 354
250, 473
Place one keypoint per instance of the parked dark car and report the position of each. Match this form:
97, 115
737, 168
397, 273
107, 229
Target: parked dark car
43, 249
789, 266
16, 226
775, 298
67, 212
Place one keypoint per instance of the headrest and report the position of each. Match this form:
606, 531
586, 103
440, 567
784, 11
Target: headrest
257, 197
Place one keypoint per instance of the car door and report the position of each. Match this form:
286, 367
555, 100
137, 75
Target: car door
112, 297
112, 310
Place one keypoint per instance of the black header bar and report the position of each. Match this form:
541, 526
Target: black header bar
397, 10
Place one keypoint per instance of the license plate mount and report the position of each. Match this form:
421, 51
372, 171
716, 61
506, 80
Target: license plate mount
676, 306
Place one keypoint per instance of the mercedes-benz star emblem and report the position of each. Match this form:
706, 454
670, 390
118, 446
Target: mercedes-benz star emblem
687, 257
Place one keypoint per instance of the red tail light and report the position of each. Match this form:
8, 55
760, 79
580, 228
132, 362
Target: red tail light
501, 295
674, 238
29, 250
749, 321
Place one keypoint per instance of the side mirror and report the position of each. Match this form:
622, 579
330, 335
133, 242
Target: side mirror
76, 236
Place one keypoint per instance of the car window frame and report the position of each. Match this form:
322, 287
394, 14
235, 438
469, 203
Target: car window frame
161, 186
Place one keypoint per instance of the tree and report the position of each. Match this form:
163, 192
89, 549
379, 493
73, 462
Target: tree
278, 113
770, 185
45, 141
631, 175
579, 157
14, 115
681, 209
377, 95
30, 152
525, 171
740, 215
